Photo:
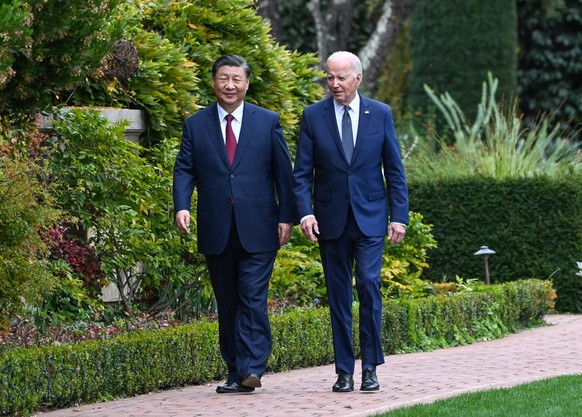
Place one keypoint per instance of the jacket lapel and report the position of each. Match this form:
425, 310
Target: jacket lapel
246, 131
213, 126
331, 121
363, 122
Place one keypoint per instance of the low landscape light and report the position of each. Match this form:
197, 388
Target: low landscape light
485, 252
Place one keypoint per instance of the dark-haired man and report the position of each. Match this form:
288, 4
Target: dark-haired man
234, 154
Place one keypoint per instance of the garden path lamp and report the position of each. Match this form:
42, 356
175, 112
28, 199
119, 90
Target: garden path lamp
484, 251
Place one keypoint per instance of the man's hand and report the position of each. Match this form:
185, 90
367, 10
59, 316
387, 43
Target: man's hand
396, 232
310, 228
183, 220
285, 230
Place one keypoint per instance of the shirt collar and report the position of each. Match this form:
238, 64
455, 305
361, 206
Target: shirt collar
238, 113
354, 105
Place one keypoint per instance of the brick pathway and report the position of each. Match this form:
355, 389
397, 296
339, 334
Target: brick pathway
405, 380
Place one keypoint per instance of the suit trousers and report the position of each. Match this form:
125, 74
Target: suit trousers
338, 257
241, 284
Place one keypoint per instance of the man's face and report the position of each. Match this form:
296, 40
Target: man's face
341, 80
230, 86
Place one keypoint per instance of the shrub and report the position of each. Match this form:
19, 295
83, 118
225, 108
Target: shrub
26, 207
298, 277
60, 376
550, 49
496, 144
50, 48
178, 42
125, 201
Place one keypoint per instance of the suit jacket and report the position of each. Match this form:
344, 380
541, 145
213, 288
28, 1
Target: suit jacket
256, 189
374, 184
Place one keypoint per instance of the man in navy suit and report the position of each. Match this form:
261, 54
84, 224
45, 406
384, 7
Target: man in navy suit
350, 191
234, 153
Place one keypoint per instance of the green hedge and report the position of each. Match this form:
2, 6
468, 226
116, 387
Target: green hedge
453, 45
534, 225
61, 376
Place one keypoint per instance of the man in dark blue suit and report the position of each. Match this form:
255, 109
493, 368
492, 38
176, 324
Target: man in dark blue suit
234, 154
351, 191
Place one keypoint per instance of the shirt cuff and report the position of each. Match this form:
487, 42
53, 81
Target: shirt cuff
401, 224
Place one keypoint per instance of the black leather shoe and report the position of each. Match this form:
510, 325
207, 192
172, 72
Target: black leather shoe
231, 387
344, 383
251, 381
369, 381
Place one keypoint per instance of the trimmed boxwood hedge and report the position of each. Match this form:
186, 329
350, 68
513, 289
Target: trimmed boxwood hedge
62, 376
534, 224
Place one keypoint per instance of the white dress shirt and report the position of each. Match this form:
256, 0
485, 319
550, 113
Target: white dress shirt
236, 122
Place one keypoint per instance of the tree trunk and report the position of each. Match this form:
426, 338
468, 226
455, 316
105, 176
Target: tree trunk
269, 9
333, 26
373, 53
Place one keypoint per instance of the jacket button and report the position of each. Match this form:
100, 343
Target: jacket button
228, 200
231, 175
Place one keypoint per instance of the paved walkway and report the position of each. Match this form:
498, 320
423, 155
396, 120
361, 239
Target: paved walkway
405, 380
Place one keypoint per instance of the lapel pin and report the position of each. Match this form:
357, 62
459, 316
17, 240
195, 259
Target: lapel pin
366, 112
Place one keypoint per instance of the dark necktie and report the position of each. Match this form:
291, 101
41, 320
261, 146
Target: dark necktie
230, 139
347, 134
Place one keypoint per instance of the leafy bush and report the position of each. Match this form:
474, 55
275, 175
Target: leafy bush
16, 32
534, 225
496, 144
503, 185
48, 49
26, 207
298, 277
404, 264
549, 56
178, 41
124, 200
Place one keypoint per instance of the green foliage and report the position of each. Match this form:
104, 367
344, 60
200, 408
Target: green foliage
503, 185
50, 48
298, 278
404, 263
15, 33
298, 339
166, 85
141, 362
124, 200
67, 301
26, 207
550, 59
496, 144
178, 41
453, 45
